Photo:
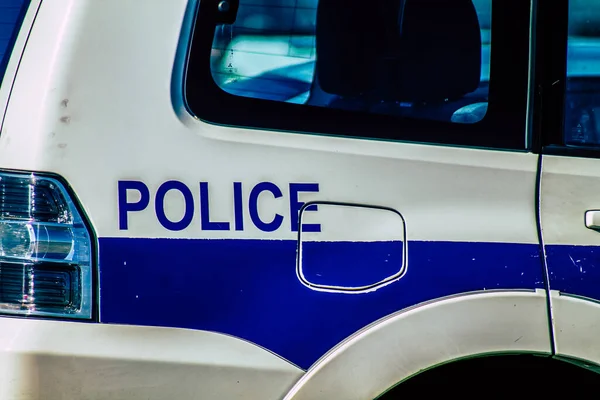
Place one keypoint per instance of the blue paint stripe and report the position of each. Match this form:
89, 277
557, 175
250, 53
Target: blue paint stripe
249, 288
11, 15
574, 269
351, 264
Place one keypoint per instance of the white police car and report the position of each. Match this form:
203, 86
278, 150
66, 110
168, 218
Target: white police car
297, 199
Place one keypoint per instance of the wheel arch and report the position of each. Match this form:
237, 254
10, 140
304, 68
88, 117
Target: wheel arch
399, 346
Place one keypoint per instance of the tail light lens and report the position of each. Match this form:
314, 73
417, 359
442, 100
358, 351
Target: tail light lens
45, 249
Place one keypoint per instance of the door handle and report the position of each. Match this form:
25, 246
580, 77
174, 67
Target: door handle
592, 219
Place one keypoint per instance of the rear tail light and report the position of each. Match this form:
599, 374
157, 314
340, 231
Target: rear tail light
45, 250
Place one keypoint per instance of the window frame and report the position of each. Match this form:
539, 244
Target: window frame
503, 127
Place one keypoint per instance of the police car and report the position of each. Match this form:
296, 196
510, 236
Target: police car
297, 199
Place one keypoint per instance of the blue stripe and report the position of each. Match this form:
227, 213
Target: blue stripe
351, 264
575, 270
11, 15
249, 288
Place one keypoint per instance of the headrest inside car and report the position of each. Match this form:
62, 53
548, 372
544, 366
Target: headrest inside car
398, 50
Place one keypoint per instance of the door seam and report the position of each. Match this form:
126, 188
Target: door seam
542, 250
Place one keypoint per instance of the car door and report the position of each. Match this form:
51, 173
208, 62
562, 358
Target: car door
570, 179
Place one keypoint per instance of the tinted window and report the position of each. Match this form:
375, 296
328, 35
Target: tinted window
270, 52
582, 108
424, 64
11, 15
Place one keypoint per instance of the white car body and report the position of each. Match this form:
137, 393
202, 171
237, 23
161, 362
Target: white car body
93, 93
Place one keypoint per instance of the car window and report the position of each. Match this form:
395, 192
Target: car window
345, 66
582, 97
270, 53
